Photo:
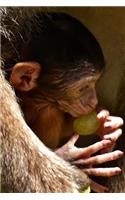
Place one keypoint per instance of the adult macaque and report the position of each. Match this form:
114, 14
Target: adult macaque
54, 62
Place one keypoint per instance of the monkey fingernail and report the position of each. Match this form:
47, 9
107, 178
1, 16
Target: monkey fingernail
118, 171
103, 114
106, 137
107, 125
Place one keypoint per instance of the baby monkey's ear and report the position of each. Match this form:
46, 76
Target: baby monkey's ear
24, 75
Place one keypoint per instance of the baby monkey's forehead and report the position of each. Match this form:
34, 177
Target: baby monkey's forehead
85, 80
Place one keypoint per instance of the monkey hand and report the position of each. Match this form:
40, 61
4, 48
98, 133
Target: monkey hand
109, 128
82, 157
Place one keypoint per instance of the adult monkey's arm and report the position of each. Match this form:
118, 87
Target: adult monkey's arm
27, 165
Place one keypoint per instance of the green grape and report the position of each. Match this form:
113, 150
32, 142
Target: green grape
86, 125
86, 190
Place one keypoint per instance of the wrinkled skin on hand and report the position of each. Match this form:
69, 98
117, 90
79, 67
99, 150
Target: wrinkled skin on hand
109, 132
109, 128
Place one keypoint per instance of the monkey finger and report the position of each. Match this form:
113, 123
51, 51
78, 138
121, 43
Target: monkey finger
99, 159
88, 151
75, 153
113, 122
112, 171
108, 149
113, 136
73, 139
103, 114
96, 187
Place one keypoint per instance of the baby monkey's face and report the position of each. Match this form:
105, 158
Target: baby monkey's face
80, 98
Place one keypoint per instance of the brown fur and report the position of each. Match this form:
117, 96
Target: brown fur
27, 165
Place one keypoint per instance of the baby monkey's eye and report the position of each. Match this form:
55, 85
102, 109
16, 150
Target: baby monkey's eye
84, 88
